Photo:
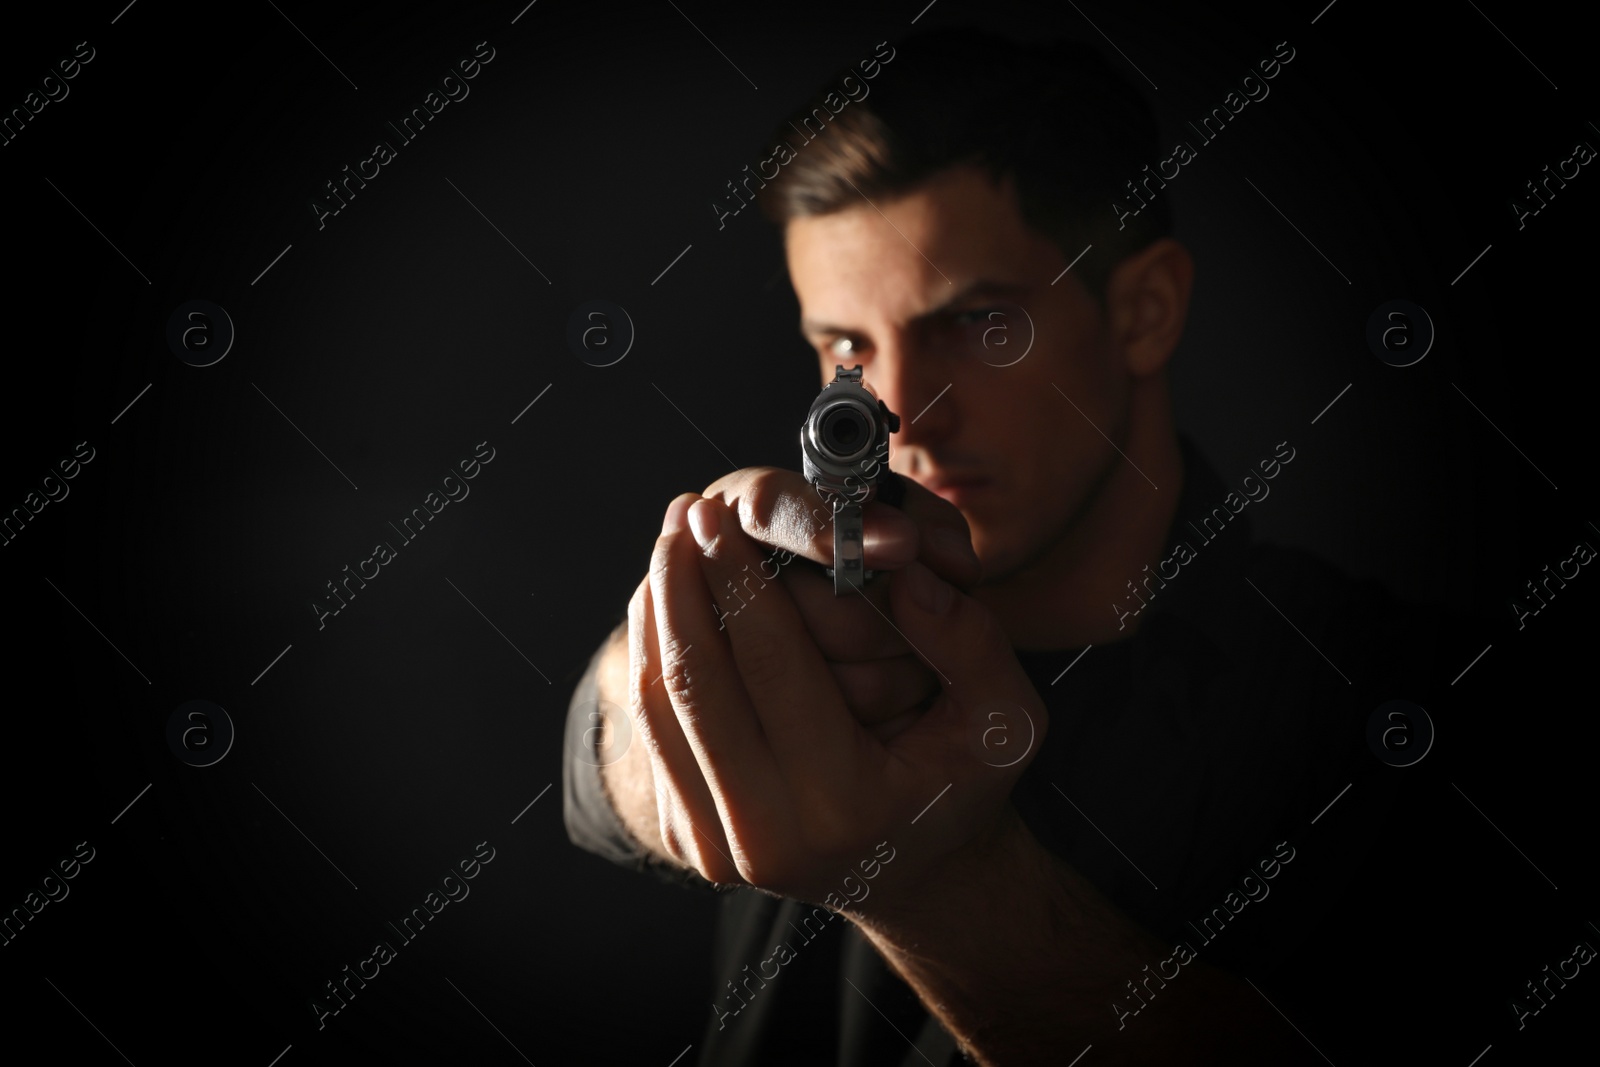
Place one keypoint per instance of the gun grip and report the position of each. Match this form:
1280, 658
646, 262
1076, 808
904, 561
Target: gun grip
848, 571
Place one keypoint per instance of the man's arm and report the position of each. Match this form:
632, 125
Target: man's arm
1018, 955
1025, 962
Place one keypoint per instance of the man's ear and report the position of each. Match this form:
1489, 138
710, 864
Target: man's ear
1147, 302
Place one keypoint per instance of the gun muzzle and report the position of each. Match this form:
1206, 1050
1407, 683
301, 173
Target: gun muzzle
844, 446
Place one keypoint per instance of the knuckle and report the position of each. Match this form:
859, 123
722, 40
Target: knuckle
693, 703
759, 501
733, 483
775, 507
682, 680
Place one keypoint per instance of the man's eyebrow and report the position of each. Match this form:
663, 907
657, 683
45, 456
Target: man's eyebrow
980, 287
810, 327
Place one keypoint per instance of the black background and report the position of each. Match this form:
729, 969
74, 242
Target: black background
407, 330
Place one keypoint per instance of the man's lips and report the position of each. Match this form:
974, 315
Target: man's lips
955, 488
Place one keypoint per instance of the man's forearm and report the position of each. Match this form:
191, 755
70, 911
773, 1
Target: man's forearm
1024, 962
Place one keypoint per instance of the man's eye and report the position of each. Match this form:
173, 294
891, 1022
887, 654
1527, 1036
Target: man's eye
976, 317
842, 347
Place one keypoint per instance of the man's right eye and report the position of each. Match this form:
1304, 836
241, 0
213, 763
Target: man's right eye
847, 351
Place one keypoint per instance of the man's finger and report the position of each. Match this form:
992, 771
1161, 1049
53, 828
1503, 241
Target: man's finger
812, 737
845, 628
703, 682
779, 508
687, 814
964, 642
881, 689
945, 546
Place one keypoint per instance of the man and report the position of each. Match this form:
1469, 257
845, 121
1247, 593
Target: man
1074, 649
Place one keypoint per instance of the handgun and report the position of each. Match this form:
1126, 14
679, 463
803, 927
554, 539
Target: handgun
844, 446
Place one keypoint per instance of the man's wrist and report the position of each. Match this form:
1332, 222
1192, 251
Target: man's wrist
996, 863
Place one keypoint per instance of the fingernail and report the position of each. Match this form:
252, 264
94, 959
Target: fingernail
952, 544
703, 522
931, 592
673, 522
890, 537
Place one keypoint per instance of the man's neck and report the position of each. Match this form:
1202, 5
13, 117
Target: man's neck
1065, 598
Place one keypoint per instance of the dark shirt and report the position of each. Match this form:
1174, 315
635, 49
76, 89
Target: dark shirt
1180, 760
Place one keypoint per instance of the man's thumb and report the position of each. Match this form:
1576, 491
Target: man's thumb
960, 639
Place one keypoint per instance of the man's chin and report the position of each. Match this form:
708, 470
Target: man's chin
996, 557
1005, 552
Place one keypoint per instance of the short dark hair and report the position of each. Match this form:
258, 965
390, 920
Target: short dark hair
1066, 127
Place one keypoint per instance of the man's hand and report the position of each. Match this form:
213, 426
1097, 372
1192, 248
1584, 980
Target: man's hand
883, 681
884, 684
763, 775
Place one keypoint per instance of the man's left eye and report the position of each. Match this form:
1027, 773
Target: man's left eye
842, 347
977, 317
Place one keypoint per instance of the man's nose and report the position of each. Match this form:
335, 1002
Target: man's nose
916, 390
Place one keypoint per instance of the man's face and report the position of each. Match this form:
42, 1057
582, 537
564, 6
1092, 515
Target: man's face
933, 294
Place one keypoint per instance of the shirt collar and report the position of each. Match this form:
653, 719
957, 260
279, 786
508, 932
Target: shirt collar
1208, 544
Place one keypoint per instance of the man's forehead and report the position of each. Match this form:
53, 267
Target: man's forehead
929, 302
913, 253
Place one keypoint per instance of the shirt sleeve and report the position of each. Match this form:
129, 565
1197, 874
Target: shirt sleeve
591, 819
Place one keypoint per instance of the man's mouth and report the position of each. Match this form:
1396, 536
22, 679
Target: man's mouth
959, 489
